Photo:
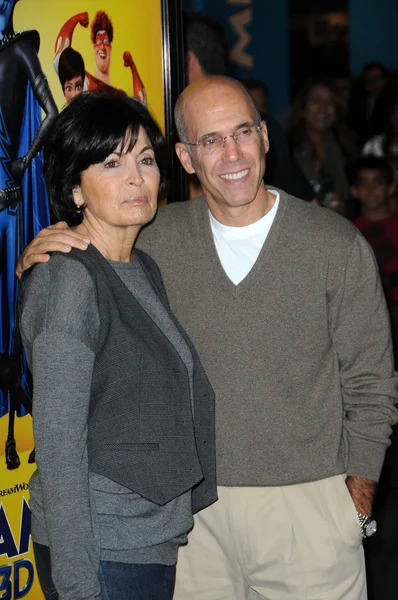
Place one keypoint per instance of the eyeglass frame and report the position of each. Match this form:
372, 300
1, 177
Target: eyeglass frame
198, 143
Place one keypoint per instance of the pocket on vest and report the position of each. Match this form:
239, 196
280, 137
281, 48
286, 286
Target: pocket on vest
140, 447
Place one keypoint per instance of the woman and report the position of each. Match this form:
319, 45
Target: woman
121, 438
321, 144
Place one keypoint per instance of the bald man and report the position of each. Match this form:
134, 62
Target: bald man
284, 304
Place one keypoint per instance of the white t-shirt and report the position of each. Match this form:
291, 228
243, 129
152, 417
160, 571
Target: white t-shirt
238, 247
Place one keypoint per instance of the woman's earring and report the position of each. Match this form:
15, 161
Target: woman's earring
76, 198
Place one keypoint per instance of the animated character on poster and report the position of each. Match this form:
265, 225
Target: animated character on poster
24, 91
101, 37
71, 73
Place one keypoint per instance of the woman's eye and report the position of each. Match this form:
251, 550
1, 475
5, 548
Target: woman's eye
147, 160
111, 164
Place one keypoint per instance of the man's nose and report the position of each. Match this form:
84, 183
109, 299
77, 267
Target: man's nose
231, 148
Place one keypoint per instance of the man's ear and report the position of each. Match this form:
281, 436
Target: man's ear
185, 157
264, 133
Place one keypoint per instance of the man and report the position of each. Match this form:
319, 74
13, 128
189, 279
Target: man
206, 46
371, 102
206, 53
285, 307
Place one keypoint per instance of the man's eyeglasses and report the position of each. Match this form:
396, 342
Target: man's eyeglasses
211, 143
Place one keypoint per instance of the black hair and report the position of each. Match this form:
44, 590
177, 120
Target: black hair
370, 163
71, 64
251, 83
375, 65
206, 38
88, 130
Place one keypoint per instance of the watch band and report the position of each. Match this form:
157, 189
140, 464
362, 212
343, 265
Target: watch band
367, 524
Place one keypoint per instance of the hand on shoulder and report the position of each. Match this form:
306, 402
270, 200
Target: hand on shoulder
58, 237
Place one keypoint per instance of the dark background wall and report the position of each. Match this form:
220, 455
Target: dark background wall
284, 42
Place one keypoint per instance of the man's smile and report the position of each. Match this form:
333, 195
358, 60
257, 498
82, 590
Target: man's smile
235, 176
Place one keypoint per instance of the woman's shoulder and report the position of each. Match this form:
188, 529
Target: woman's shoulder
59, 295
59, 273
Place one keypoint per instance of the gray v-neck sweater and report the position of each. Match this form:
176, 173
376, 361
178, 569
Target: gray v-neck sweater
299, 353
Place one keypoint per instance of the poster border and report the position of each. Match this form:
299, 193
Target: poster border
173, 84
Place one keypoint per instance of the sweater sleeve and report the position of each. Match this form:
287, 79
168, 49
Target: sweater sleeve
361, 335
59, 336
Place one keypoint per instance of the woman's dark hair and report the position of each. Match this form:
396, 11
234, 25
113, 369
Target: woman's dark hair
71, 64
343, 134
88, 130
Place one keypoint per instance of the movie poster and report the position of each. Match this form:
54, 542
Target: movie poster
119, 42
115, 45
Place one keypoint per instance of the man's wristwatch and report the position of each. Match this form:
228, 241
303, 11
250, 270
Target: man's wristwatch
367, 524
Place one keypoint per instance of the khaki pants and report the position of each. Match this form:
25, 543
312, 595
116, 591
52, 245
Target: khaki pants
276, 543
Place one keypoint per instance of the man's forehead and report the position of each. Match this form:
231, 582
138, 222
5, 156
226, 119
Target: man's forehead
214, 110
370, 174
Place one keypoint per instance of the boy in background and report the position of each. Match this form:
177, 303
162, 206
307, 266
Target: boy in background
372, 185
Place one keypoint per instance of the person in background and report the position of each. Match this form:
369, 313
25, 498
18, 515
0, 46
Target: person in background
123, 413
282, 171
260, 94
371, 102
321, 143
206, 46
286, 309
372, 184
206, 53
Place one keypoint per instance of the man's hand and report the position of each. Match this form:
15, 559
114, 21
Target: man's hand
58, 238
362, 492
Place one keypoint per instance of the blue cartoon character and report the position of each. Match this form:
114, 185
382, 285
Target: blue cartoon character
24, 93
